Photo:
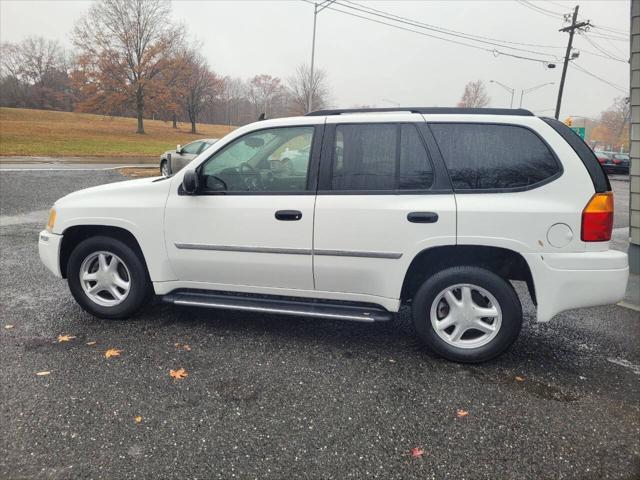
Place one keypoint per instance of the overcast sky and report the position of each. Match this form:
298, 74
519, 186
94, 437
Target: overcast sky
373, 64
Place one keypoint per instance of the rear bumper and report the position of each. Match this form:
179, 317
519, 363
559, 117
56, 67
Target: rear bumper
564, 281
49, 250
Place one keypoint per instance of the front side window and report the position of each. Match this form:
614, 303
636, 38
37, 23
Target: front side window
380, 157
270, 160
492, 156
192, 148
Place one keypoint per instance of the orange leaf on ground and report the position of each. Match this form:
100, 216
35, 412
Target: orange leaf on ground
65, 338
179, 374
112, 352
417, 452
462, 413
519, 379
42, 374
137, 419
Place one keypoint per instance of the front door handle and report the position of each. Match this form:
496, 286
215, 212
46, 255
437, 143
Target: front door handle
422, 217
288, 215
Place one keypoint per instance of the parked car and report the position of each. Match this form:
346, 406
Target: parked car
613, 162
183, 155
620, 162
350, 214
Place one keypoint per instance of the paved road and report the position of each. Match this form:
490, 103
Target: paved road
279, 397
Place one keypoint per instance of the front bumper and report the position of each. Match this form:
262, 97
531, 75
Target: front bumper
564, 281
49, 250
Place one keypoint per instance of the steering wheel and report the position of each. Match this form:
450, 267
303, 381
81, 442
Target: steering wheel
245, 167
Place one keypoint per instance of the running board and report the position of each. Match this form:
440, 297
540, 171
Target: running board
302, 307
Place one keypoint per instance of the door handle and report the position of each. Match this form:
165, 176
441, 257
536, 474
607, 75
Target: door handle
422, 217
288, 215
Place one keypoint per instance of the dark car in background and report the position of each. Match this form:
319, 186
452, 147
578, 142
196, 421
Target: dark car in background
614, 162
183, 155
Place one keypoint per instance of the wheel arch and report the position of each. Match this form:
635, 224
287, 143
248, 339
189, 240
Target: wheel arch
75, 234
506, 263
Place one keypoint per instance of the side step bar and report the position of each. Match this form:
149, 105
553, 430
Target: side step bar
302, 307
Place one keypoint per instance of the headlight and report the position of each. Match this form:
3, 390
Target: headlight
52, 220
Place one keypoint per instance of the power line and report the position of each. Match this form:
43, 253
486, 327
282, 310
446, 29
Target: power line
447, 30
610, 37
414, 23
494, 51
542, 9
583, 70
538, 10
598, 47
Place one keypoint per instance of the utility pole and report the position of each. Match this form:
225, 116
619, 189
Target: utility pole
571, 29
316, 10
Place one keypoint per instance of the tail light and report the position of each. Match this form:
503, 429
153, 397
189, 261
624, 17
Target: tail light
617, 161
597, 218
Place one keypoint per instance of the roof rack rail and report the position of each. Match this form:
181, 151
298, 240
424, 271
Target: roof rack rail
427, 110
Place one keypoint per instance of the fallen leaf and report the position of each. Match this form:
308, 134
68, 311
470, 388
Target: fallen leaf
65, 338
179, 374
186, 347
462, 413
137, 419
391, 360
417, 452
42, 374
112, 352
91, 343
8, 326
519, 379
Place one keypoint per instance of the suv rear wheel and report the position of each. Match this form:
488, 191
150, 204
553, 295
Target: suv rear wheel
107, 278
467, 314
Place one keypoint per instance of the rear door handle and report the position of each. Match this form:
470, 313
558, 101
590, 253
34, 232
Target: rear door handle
288, 215
422, 217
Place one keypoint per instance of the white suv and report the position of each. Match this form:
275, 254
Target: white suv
348, 214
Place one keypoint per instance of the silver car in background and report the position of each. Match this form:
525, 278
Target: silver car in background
183, 155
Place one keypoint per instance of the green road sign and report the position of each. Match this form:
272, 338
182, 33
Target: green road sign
579, 131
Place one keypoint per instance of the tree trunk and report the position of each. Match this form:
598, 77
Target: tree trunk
140, 109
175, 120
193, 125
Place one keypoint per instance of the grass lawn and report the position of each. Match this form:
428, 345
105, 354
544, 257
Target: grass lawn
25, 132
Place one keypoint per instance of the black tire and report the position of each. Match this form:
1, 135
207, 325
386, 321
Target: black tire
504, 294
140, 288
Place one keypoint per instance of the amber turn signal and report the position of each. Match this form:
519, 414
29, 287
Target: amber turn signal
597, 218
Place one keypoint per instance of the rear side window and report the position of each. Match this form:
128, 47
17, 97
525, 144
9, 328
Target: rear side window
380, 157
493, 156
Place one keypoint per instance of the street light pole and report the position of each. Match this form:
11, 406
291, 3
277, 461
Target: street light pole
508, 89
317, 8
527, 90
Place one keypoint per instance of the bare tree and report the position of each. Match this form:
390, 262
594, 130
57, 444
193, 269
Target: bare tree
301, 85
262, 92
34, 74
200, 85
124, 47
475, 95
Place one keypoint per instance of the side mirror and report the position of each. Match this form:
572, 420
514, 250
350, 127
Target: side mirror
190, 182
178, 148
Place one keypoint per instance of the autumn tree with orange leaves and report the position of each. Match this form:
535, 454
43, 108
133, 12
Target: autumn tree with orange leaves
612, 129
124, 48
199, 86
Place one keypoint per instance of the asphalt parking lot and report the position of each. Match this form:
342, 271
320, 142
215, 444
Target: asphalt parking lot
282, 397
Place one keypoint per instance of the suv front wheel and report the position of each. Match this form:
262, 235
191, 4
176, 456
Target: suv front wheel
107, 278
467, 314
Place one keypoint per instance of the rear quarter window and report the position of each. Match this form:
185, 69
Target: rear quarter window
494, 156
